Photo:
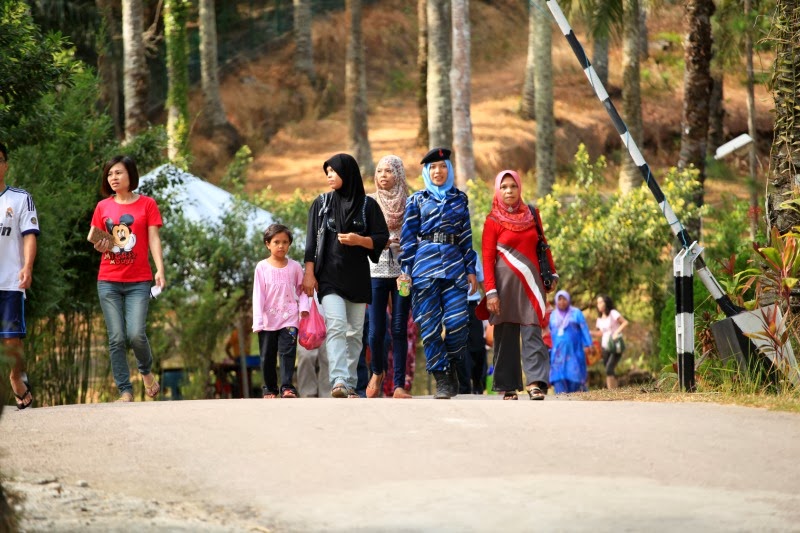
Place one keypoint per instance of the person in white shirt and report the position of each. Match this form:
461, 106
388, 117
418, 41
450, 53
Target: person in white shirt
610, 323
19, 228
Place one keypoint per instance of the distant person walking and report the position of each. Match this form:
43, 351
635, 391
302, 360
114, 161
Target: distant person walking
391, 195
438, 260
346, 229
125, 279
610, 323
20, 225
570, 339
278, 303
515, 292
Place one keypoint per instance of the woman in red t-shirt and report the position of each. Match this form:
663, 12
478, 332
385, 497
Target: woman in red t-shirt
125, 279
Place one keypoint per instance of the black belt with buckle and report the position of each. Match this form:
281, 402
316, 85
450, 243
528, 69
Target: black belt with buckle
439, 238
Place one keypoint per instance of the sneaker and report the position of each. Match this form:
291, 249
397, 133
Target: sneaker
442, 386
452, 377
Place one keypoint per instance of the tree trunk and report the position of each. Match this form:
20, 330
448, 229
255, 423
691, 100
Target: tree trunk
630, 177
108, 62
213, 119
696, 94
527, 108
600, 58
135, 81
752, 158
422, 69
716, 114
440, 118
644, 45
177, 46
303, 52
785, 154
356, 91
545, 120
460, 81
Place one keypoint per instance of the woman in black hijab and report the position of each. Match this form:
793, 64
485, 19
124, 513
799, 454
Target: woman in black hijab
345, 229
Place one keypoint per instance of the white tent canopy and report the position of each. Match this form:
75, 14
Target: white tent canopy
202, 201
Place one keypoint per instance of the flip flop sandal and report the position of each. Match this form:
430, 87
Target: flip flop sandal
21, 397
535, 393
154, 388
510, 396
352, 394
375, 387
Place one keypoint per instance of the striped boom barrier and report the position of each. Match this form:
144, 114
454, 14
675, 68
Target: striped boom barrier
722, 299
683, 266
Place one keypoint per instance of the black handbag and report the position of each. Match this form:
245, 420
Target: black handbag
548, 277
319, 253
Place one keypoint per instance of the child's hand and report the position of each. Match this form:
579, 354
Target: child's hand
303, 314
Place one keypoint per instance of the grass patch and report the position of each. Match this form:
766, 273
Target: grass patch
786, 402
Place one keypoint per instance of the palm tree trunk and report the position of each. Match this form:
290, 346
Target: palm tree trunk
215, 122
440, 117
785, 155
108, 62
422, 69
644, 45
696, 94
135, 74
630, 177
177, 45
527, 108
303, 53
716, 113
356, 91
600, 58
752, 158
460, 81
545, 120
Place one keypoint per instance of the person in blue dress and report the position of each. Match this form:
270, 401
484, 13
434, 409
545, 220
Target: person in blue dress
570, 336
438, 260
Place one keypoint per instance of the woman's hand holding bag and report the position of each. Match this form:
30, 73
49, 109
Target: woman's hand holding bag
312, 329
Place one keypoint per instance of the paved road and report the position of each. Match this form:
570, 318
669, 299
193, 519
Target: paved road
471, 464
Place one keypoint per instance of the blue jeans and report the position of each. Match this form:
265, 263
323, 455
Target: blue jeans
381, 289
125, 306
344, 321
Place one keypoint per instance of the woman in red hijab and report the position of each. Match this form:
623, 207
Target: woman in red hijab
515, 294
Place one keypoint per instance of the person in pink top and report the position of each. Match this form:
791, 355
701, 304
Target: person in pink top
610, 323
125, 279
278, 303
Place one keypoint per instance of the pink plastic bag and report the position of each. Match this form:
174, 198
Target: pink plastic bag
312, 329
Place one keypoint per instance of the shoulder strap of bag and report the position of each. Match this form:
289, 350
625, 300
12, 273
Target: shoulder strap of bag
325, 198
538, 221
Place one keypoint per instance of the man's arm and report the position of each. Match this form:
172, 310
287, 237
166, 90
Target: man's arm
29, 255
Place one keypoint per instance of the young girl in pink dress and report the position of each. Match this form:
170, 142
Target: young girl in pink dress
278, 303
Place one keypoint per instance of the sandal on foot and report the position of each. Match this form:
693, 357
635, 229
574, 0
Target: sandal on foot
289, 392
125, 397
535, 393
402, 393
510, 395
375, 385
352, 394
154, 388
339, 391
20, 398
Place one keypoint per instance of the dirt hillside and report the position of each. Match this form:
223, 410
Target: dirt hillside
293, 127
